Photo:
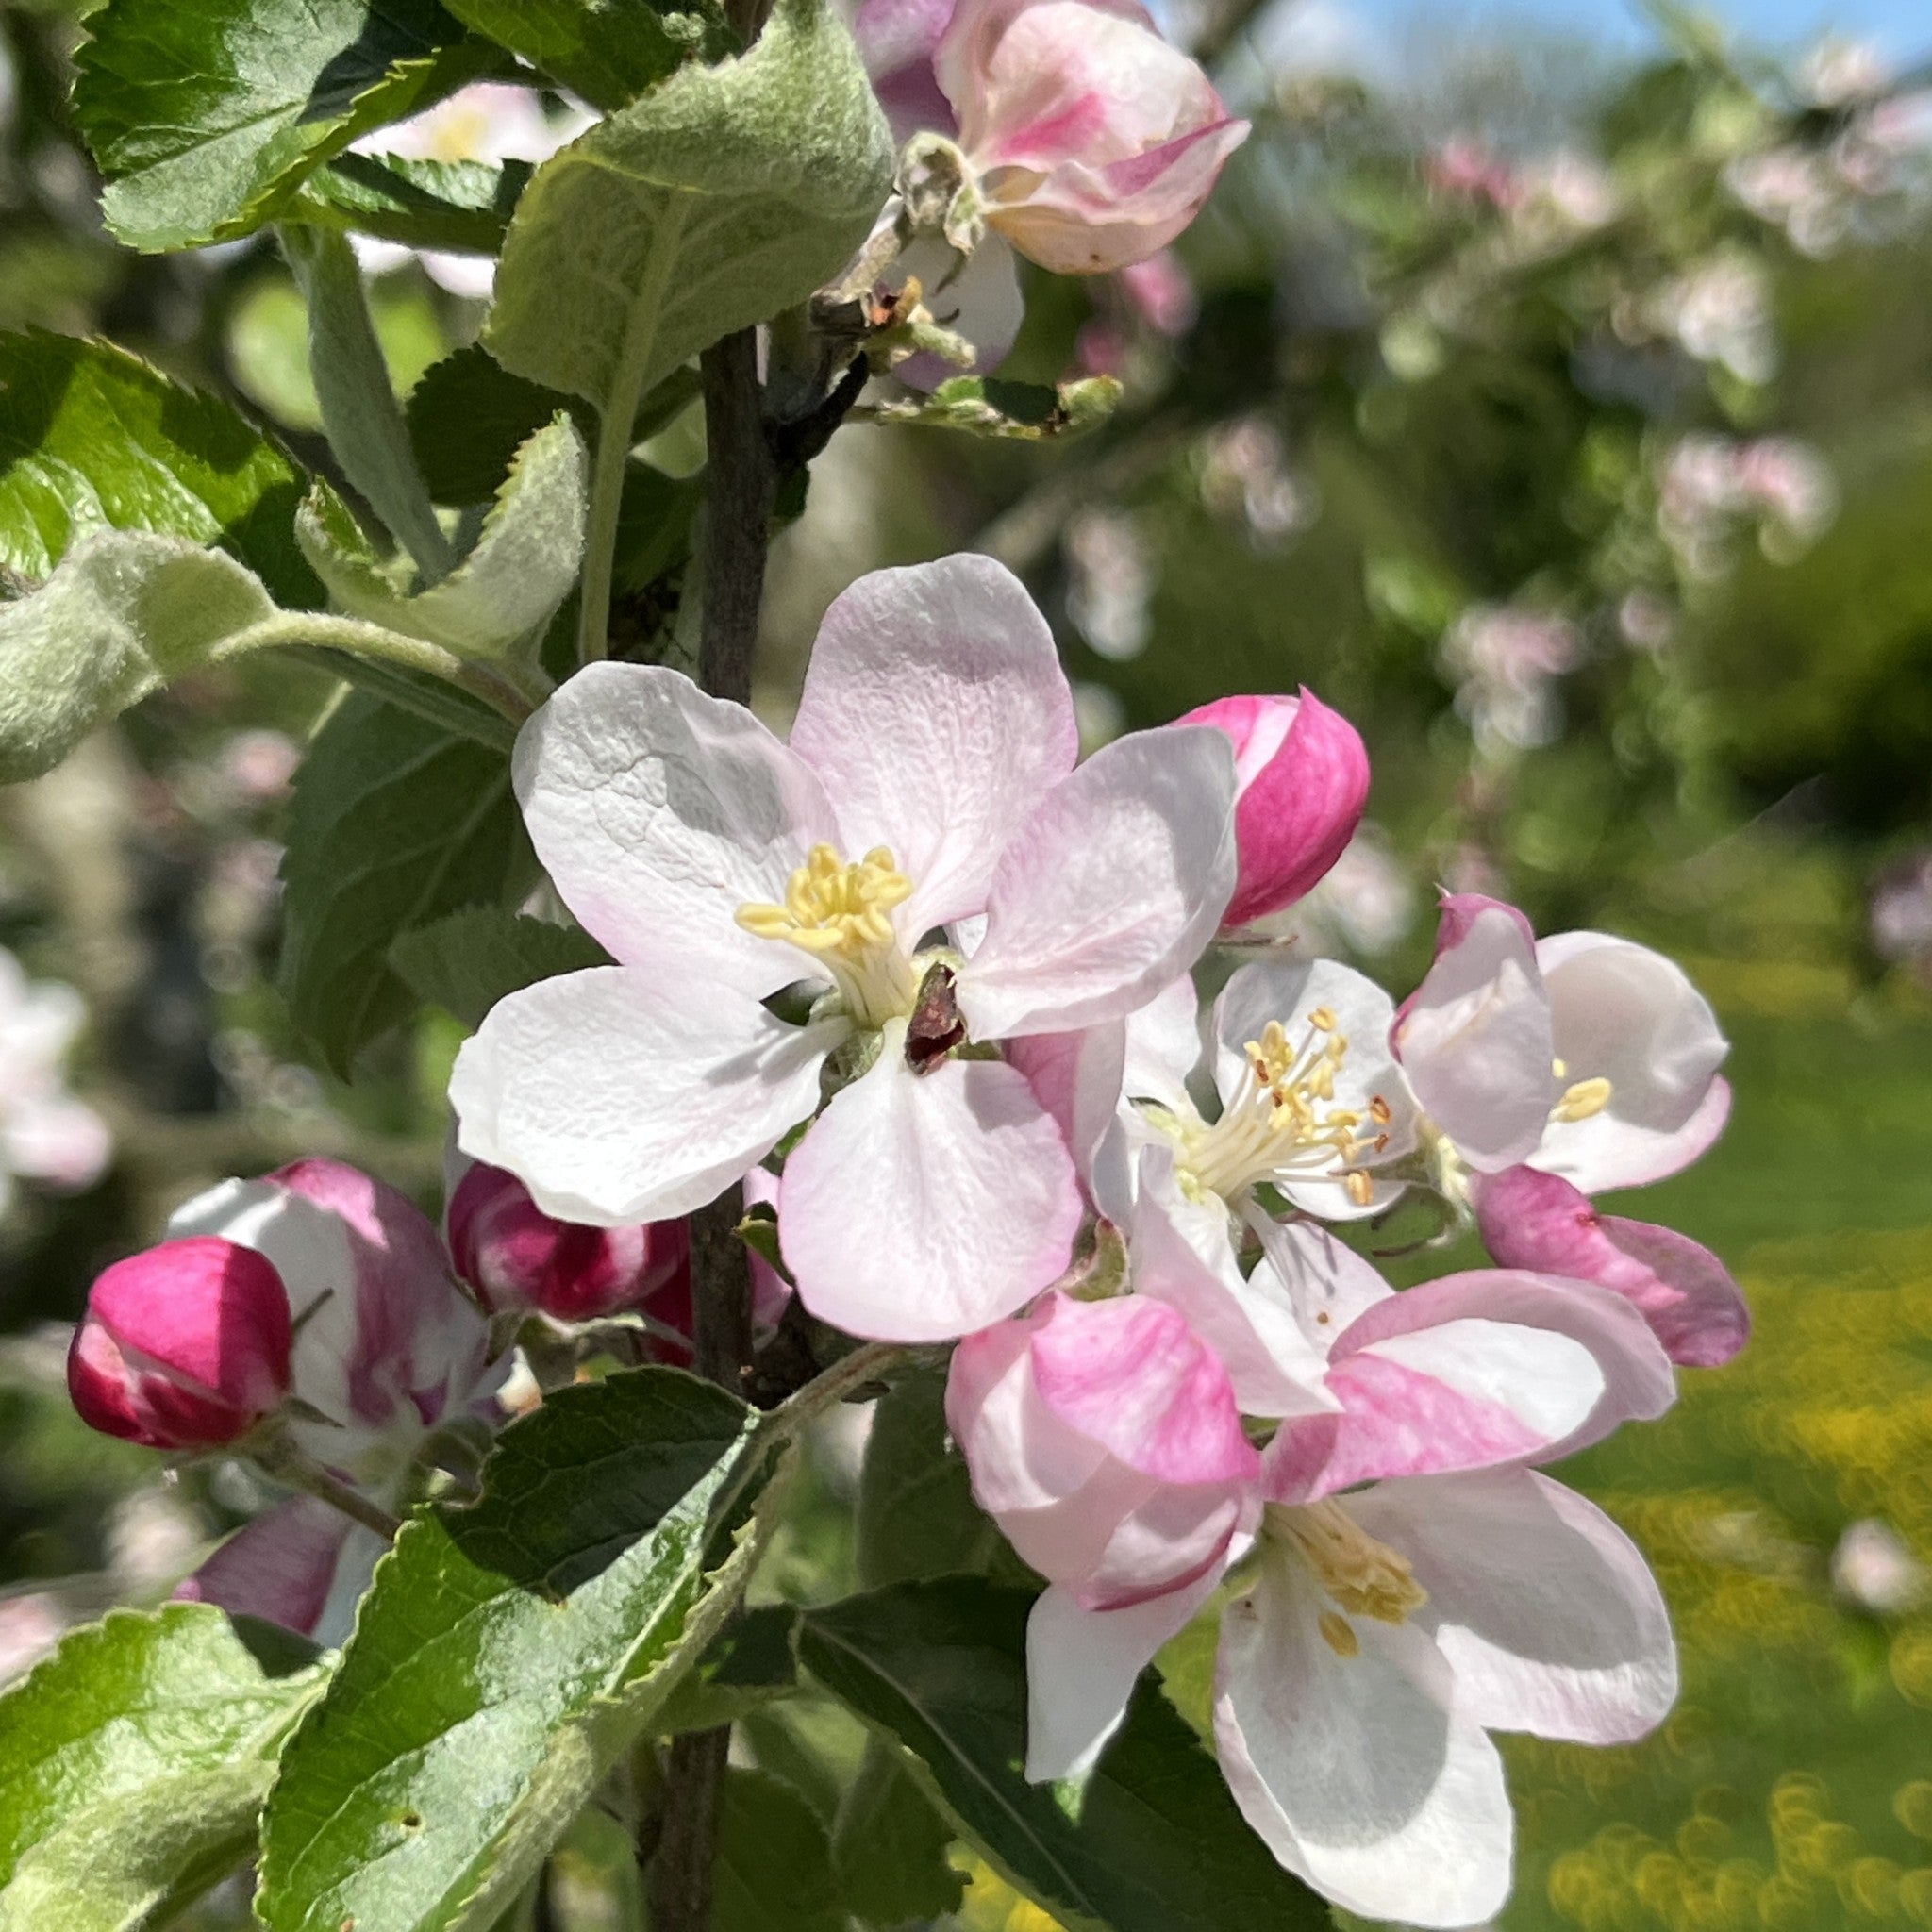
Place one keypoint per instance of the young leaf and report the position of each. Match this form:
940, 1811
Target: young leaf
609, 51
205, 115
119, 617
467, 962
463, 206
498, 602
719, 198
509, 1653
134, 1761
1149, 1841
749, 1666
773, 1871
888, 1846
91, 438
916, 1513
1024, 411
395, 823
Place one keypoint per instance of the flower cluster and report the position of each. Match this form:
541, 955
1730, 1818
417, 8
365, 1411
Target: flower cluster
927, 981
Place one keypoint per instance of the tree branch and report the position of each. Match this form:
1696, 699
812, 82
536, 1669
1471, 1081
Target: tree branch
738, 515
688, 1843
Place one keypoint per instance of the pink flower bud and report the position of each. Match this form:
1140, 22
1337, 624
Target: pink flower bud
1095, 143
515, 1255
1303, 773
184, 1347
1103, 1439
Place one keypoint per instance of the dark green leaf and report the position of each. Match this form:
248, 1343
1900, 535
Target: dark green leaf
206, 115
749, 1666
133, 1763
468, 417
722, 196
609, 51
467, 962
916, 1513
888, 1847
422, 696
91, 438
1149, 1841
460, 205
395, 823
507, 1654
774, 1870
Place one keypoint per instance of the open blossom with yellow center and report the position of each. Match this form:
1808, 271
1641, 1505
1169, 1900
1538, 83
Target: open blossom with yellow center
1360, 1575
930, 781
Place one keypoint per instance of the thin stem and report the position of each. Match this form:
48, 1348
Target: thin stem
680, 1872
600, 541
738, 515
512, 694
289, 1464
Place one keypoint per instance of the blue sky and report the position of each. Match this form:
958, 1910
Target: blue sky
1903, 27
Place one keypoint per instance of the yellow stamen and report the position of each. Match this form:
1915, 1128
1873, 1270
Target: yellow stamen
1582, 1100
1338, 1634
1364, 1577
1281, 1122
839, 913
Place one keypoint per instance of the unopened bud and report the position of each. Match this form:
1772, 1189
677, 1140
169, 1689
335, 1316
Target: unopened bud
517, 1257
185, 1346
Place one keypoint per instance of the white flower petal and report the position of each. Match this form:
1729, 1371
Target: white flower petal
1110, 891
1547, 1613
923, 1206
617, 1097
659, 811
1081, 1669
1360, 1773
936, 713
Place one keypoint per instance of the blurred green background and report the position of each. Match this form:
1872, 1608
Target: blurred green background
1564, 419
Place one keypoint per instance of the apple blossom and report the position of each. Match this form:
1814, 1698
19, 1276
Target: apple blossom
1304, 778
183, 1347
301, 1564
517, 1257
1534, 1220
1581, 1054
1095, 142
934, 740
897, 40
45, 1134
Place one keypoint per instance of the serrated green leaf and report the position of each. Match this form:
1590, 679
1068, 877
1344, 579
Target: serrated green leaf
133, 1763
498, 603
609, 51
94, 438
508, 1652
467, 962
395, 824
1148, 1842
463, 206
750, 1665
123, 614
773, 1870
916, 1513
720, 198
888, 1846
206, 115
468, 417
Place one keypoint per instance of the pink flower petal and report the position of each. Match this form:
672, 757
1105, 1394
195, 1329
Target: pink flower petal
1546, 1612
1110, 891
1537, 1221
935, 713
281, 1567
1476, 1039
923, 1206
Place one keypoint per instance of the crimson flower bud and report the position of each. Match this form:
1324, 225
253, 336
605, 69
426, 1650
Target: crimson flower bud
517, 1257
1303, 775
185, 1346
